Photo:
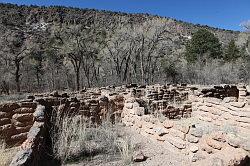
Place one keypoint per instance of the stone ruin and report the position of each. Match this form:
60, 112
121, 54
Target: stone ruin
208, 125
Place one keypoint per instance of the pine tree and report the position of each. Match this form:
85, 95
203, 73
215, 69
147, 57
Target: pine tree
203, 43
232, 52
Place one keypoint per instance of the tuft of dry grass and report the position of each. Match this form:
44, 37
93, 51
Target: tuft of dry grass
126, 149
75, 139
7, 154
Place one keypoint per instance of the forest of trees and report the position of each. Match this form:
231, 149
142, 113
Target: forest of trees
41, 56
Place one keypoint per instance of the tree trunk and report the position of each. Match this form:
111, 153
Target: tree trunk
77, 79
17, 75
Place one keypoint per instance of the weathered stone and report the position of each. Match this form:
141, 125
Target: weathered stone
146, 118
213, 100
4, 121
168, 124
21, 124
238, 104
23, 110
230, 99
28, 104
182, 128
214, 144
128, 105
23, 117
192, 139
5, 114
35, 130
149, 131
22, 157
175, 141
160, 131
8, 107
216, 162
193, 148
148, 125
19, 137
23, 129
206, 148
177, 133
197, 132
139, 157
233, 140
218, 136
243, 119
39, 113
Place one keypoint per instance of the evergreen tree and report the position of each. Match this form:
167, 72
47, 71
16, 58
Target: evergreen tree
232, 52
203, 43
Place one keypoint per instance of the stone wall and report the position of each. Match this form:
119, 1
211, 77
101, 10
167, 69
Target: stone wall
32, 149
217, 129
16, 120
184, 117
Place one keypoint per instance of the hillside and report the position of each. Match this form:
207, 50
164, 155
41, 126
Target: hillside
39, 44
23, 15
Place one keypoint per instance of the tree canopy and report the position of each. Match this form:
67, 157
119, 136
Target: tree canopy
203, 43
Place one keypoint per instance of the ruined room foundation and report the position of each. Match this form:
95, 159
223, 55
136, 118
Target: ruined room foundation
201, 123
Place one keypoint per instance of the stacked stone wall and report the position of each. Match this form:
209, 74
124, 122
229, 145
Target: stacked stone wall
16, 119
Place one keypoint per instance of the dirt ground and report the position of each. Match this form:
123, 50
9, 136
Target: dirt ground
157, 153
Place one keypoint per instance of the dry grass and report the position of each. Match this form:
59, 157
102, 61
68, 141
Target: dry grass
74, 139
12, 97
6, 154
126, 148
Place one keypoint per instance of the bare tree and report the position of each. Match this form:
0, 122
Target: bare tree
16, 50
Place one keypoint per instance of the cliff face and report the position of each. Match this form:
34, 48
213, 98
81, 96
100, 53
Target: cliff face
19, 16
